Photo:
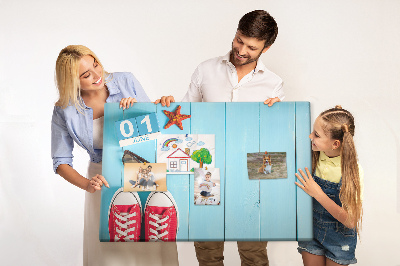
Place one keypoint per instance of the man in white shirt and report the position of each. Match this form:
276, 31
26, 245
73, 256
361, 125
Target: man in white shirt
240, 76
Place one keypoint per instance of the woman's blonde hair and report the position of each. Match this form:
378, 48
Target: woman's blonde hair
67, 75
339, 125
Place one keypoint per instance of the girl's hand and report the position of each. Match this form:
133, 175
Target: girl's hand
308, 184
96, 183
165, 100
127, 102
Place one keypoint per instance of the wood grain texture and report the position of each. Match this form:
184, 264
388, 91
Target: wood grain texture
278, 196
207, 221
242, 208
111, 165
303, 159
250, 210
178, 185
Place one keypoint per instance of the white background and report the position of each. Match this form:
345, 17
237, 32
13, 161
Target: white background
327, 52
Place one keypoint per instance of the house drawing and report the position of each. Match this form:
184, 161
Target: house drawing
178, 161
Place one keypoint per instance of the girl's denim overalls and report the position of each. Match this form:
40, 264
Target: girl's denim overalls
331, 238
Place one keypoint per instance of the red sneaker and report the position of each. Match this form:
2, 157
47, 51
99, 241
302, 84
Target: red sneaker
124, 217
161, 217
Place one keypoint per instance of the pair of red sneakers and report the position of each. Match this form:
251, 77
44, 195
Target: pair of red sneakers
125, 217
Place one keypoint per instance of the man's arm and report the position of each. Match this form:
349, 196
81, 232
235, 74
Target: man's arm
194, 92
277, 95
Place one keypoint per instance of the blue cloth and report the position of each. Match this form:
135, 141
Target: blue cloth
331, 238
69, 125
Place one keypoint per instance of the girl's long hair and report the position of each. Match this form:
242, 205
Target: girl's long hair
339, 125
67, 75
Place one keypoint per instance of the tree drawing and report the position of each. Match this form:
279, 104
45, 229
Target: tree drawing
202, 156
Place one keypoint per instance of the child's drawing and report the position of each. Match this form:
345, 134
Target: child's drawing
266, 165
183, 152
207, 186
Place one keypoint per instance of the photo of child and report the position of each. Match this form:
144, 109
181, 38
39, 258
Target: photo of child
206, 186
145, 177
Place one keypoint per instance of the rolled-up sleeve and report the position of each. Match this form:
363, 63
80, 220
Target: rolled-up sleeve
278, 91
194, 93
62, 143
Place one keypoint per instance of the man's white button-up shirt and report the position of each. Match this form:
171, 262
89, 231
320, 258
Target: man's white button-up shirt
216, 80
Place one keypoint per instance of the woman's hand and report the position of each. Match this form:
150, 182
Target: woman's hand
96, 183
308, 184
127, 102
165, 100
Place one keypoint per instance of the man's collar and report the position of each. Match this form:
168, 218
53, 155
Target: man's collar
260, 65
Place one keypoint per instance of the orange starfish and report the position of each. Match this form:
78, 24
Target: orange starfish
175, 117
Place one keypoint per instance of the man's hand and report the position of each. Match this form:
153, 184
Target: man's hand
165, 100
271, 101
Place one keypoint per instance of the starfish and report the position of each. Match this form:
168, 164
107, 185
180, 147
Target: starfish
175, 117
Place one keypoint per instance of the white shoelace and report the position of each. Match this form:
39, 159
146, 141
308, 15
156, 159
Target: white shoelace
157, 235
125, 230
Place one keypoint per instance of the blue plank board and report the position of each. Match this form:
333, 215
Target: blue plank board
207, 221
278, 196
146, 150
303, 159
250, 209
242, 211
178, 185
111, 169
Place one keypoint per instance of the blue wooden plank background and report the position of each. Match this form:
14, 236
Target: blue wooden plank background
178, 185
207, 221
242, 205
250, 209
303, 159
278, 196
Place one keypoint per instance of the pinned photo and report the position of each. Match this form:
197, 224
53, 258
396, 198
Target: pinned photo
145, 177
207, 186
266, 165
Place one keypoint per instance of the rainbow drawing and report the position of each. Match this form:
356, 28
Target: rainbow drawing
168, 141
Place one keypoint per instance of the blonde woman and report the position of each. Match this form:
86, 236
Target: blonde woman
84, 87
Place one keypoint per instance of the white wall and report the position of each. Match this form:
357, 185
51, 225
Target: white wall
327, 52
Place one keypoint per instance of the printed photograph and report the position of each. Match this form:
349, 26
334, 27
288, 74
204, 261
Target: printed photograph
266, 165
145, 177
207, 186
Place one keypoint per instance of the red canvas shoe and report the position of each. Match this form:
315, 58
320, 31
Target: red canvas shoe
161, 217
124, 217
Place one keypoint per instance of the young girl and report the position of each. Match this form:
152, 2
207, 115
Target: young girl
336, 188
84, 87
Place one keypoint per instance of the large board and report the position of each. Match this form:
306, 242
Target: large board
256, 210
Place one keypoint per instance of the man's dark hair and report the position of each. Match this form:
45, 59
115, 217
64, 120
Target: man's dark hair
259, 24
